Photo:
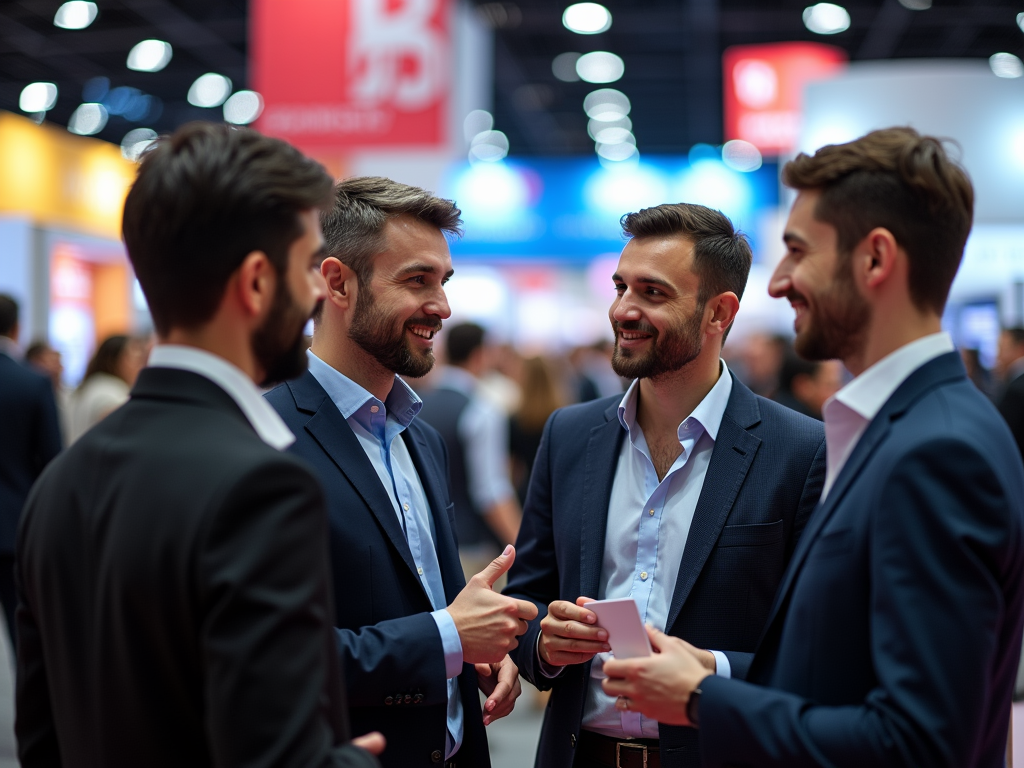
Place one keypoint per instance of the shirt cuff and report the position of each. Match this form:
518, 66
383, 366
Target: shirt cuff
450, 643
722, 666
548, 670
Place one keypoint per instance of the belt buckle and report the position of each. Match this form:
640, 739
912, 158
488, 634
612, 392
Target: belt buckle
628, 745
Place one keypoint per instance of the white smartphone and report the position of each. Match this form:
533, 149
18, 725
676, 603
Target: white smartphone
626, 633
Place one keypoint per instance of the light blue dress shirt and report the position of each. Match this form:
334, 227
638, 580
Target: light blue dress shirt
648, 524
376, 425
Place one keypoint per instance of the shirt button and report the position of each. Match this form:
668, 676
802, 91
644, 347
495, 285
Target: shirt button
650, 512
374, 408
643, 575
419, 571
405, 507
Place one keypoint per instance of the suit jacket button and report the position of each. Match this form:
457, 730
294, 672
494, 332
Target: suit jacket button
389, 701
435, 756
418, 698
572, 740
408, 698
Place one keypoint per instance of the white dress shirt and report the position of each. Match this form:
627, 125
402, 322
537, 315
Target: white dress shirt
648, 524
264, 419
849, 411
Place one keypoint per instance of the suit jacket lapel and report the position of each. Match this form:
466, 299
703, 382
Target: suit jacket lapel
433, 482
602, 456
329, 428
731, 457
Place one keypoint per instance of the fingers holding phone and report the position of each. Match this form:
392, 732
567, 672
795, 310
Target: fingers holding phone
569, 634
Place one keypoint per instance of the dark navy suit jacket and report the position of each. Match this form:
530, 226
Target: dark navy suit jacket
895, 635
390, 647
764, 478
29, 438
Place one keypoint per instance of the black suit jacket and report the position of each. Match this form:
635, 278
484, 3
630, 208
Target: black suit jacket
29, 438
175, 596
1011, 406
389, 644
764, 478
895, 634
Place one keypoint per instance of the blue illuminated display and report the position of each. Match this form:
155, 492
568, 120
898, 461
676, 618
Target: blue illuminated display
568, 210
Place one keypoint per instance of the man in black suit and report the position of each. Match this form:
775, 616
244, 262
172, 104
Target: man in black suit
895, 634
1010, 365
29, 439
172, 568
410, 629
687, 494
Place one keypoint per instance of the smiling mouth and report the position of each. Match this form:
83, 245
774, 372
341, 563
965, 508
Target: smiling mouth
422, 332
633, 335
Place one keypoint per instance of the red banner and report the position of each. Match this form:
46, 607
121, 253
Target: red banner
340, 74
764, 90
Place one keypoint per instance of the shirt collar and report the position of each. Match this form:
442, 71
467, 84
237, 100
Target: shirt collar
867, 393
708, 413
261, 415
353, 400
459, 379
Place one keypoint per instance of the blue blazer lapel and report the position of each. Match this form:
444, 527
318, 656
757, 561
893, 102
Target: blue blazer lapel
602, 456
433, 481
330, 430
730, 461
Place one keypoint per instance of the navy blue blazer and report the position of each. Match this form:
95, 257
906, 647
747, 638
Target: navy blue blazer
764, 478
29, 438
390, 647
895, 635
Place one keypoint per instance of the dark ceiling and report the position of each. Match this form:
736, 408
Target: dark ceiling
672, 52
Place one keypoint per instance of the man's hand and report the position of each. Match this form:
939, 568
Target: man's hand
569, 634
373, 742
658, 685
489, 623
500, 683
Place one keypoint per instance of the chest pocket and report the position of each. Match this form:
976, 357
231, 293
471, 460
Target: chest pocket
754, 535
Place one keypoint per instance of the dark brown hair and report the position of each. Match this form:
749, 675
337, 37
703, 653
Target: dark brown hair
107, 357
721, 255
354, 227
8, 314
905, 182
206, 197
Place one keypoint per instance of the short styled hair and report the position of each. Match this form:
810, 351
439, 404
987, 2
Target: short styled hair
905, 182
462, 341
721, 255
354, 227
8, 314
1016, 334
206, 197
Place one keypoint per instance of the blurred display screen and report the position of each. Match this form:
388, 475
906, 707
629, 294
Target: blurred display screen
568, 210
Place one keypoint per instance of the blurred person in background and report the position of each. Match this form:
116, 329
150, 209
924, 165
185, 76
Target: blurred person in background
542, 395
595, 377
107, 383
410, 629
487, 512
1010, 369
43, 358
976, 372
688, 493
805, 385
500, 379
173, 572
29, 438
762, 356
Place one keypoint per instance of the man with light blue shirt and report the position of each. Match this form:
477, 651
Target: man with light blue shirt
686, 494
416, 641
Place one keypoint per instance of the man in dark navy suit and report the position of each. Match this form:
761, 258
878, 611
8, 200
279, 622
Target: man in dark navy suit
410, 629
30, 437
894, 638
687, 494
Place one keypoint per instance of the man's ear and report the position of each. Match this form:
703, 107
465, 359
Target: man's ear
876, 257
723, 309
254, 284
342, 283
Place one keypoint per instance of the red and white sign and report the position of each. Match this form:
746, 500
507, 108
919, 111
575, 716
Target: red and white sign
341, 74
764, 90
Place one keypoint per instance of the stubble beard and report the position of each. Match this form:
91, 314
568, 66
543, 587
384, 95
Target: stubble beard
674, 349
835, 329
382, 337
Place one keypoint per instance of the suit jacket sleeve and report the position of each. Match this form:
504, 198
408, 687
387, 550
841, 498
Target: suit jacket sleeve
47, 433
938, 530
534, 574
263, 574
1012, 409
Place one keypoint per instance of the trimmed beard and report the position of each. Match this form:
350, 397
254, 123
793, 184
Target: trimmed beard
677, 347
278, 344
383, 338
835, 328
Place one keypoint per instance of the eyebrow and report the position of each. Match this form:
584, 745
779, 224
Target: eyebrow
617, 278
791, 237
429, 269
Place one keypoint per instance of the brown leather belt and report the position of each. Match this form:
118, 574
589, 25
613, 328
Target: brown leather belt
597, 750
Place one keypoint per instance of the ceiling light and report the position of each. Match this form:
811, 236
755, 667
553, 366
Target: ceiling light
1006, 65
587, 18
595, 126
476, 122
488, 146
243, 107
600, 67
564, 67
741, 155
76, 14
88, 119
616, 152
606, 104
37, 97
826, 18
136, 141
150, 56
209, 90
916, 5
614, 135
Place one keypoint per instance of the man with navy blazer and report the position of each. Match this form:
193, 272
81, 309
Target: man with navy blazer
410, 629
687, 494
894, 638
